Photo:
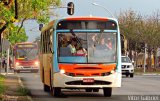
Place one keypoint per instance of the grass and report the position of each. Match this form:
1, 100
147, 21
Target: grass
22, 91
2, 86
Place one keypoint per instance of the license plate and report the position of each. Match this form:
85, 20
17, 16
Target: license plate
88, 80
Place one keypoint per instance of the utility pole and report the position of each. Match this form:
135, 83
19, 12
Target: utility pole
16, 9
104, 9
144, 65
7, 61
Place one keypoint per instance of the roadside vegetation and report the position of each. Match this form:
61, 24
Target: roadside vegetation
139, 30
23, 91
14, 13
2, 86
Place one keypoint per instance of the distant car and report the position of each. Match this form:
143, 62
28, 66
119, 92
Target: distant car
127, 67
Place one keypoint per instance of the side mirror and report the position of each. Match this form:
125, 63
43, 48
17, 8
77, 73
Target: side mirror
40, 26
70, 8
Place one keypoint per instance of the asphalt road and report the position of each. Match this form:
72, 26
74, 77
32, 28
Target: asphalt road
139, 87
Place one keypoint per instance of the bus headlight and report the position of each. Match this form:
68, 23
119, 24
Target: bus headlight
36, 63
17, 63
62, 71
112, 71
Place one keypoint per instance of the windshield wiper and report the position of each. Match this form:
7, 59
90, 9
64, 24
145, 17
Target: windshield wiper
75, 36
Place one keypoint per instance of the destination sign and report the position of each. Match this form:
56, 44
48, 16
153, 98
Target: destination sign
26, 46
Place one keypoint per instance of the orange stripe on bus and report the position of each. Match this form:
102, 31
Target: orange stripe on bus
87, 69
87, 18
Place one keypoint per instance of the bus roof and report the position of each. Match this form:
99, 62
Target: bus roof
48, 26
88, 18
51, 24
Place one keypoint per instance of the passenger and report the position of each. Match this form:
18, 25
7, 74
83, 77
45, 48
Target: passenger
72, 47
109, 44
102, 45
4, 62
81, 52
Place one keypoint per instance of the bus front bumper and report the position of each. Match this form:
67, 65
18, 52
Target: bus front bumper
26, 68
64, 81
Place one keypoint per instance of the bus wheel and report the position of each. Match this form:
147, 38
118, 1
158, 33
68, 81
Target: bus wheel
131, 75
18, 71
46, 88
57, 91
107, 92
88, 90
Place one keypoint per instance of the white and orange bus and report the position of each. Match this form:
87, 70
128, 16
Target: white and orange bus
25, 57
62, 64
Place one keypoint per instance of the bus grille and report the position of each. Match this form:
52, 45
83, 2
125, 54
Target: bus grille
91, 74
96, 82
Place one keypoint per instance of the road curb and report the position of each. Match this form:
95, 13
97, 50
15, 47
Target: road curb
150, 74
21, 84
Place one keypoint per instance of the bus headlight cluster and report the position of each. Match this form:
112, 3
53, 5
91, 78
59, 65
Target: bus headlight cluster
36, 63
62, 71
17, 63
112, 71
108, 73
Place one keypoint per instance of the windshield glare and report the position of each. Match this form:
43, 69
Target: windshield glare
28, 54
126, 60
87, 47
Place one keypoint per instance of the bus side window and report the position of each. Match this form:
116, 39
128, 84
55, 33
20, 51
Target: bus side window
51, 41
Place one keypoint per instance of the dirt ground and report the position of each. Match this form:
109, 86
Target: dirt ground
11, 94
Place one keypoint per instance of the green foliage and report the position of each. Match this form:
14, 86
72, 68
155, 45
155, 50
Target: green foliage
14, 37
22, 91
5, 13
27, 9
2, 86
37, 9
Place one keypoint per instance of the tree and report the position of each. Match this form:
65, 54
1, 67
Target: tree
28, 9
129, 22
141, 30
14, 37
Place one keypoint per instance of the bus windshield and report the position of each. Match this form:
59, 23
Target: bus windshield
87, 47
26, 53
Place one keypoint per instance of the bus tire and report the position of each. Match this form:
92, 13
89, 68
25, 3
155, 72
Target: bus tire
131, 75
46, 88
107, 92
88, 90
57, 91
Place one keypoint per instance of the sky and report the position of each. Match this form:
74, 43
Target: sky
86, 8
